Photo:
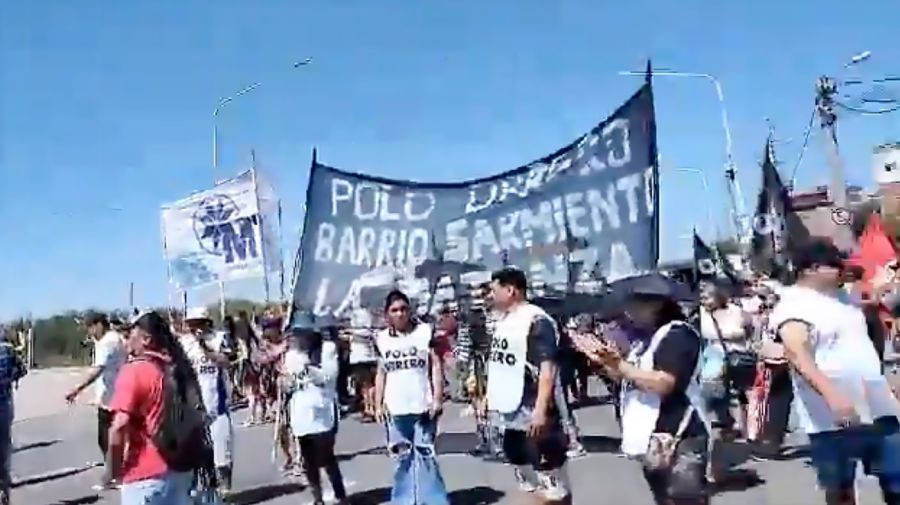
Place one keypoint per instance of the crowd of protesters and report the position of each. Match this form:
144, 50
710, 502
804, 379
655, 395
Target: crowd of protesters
688, 371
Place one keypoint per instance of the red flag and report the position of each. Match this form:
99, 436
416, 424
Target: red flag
875, 250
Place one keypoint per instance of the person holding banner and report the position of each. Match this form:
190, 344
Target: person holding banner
210, 354
409, 389
523, 386
309, 379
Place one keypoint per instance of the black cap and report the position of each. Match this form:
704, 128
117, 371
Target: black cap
818, 251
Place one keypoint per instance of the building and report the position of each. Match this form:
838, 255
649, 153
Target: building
886, 174
814, 208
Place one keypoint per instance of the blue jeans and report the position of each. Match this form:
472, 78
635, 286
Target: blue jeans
417, 479
170, 489
835, 454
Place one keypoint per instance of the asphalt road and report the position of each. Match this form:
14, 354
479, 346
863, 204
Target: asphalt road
49, 467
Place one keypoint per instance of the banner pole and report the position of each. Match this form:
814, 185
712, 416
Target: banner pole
281, 255
162, 226
222, 303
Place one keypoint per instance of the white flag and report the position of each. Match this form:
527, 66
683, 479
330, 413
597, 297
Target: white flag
215, 235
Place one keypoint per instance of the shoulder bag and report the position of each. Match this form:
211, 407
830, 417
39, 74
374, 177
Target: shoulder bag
740, 365
663, 446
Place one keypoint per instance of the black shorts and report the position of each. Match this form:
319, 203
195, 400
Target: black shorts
545, 453
363, 374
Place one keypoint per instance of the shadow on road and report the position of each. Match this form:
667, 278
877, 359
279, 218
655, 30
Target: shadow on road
455, 443
737, 479
36, 445
84, 500
375, 496
365, 452
479, 495
601, 443
58, 474
262, 494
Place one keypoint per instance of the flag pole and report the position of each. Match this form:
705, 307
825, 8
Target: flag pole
280, 255
262, 227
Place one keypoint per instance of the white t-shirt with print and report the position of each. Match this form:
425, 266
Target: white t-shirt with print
210, 376
842, 350
405, 359
109, 353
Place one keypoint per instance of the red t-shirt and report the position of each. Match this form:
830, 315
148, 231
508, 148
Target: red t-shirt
139, 393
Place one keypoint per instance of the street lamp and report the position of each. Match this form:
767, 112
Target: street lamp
858, 58
228, 99
734, 187
215, 155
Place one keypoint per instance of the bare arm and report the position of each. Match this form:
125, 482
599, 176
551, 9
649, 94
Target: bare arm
437, 379
115, 453
221, 359
653, 381
546, 383
380, 377
91, 377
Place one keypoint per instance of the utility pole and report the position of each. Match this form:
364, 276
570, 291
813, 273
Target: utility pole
826, 90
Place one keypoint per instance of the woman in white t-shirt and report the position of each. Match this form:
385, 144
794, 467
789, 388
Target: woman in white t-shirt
309, 379
409, 398
725, 328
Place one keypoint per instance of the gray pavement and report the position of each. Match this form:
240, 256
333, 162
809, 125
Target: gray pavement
53, 448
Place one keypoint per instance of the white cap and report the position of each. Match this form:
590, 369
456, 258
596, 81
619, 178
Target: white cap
197, 314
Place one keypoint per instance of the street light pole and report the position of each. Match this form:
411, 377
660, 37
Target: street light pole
215, 158
219, 105
225, 101
740, 221
710, 221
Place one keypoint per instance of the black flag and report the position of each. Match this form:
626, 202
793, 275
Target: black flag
709, 263
776, 228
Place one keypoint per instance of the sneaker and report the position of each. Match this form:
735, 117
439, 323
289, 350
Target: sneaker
576, 451
105, 486
524, 484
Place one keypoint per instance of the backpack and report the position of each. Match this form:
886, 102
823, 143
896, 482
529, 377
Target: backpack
181, 438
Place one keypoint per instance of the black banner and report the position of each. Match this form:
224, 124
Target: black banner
592, 203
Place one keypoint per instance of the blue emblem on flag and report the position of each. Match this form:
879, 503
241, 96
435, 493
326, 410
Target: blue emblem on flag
220, 233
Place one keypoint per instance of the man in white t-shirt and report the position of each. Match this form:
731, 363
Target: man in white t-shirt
109, 355
842, 398
211, 353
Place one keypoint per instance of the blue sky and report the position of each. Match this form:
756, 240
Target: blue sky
105, 108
